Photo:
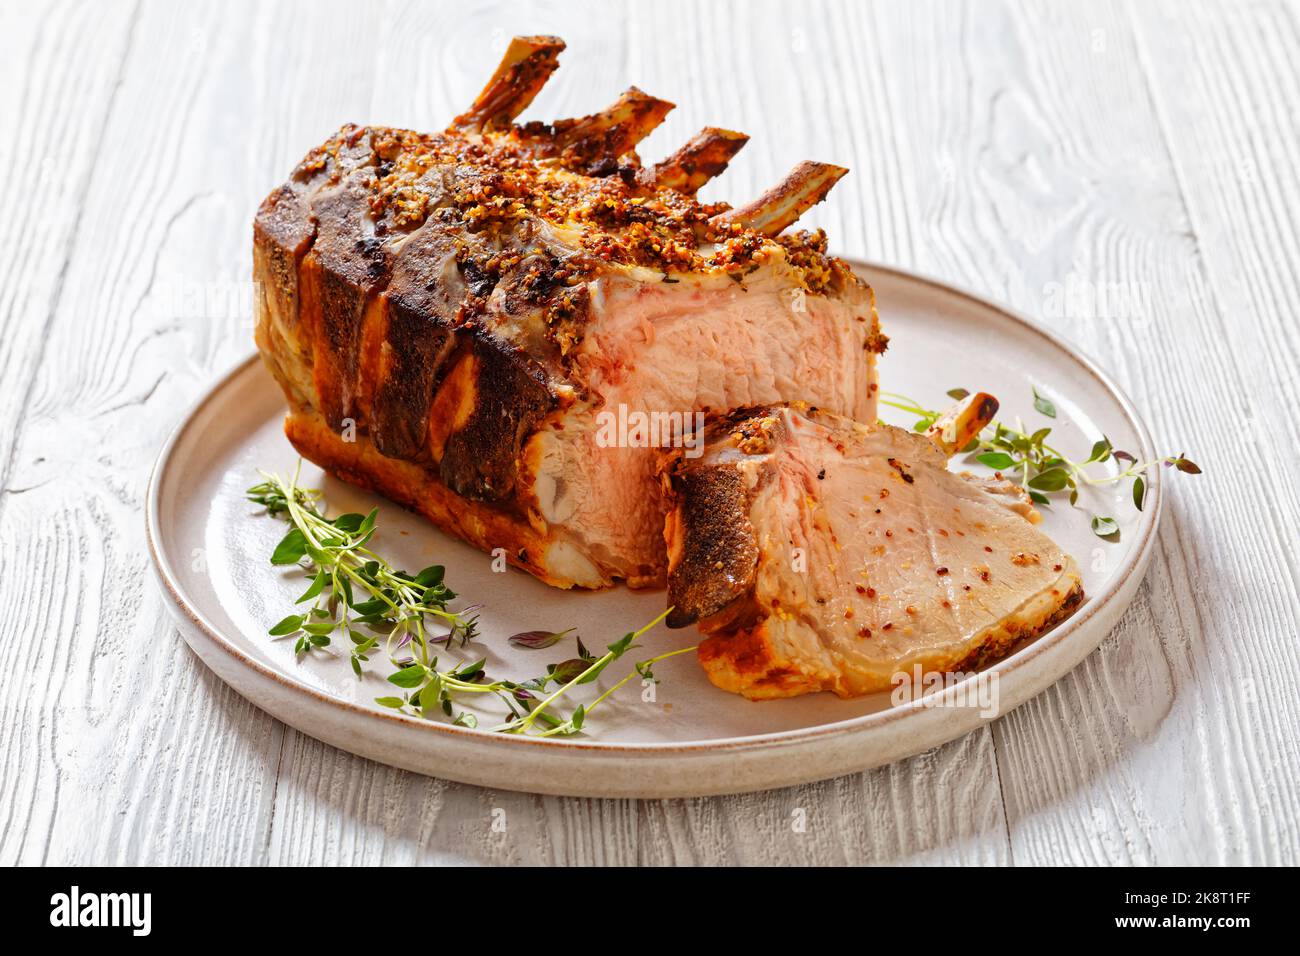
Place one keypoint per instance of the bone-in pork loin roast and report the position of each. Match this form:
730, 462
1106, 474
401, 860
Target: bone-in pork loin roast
818, 553
449, 314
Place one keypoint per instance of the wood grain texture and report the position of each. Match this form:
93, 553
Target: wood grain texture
1144, 151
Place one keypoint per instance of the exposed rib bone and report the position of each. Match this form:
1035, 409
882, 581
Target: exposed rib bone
806, 186
522, 72
704, 157
954, 429
607, 135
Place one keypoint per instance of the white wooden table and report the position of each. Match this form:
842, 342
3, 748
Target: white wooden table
1038, 152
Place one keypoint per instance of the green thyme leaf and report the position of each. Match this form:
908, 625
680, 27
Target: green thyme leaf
291, 549
596, 669
349, 523
289, 625
471, 671
430, 576
412, 676
1044, 405
997, 460
317, 585
1053, 479
1105, 527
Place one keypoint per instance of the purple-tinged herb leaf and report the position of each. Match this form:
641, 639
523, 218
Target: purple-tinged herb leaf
536, 640
566, 671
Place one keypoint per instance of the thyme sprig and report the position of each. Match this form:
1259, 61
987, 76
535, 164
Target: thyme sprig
398, 608
401, 612
1040, 468
520, 723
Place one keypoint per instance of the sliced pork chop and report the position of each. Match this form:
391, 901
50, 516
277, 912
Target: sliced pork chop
817, 553
453, 317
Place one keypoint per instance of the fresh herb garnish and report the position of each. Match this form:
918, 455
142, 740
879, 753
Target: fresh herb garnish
537, 639
1044, 405
1042, 469
1104, 527
356, 593
521, 723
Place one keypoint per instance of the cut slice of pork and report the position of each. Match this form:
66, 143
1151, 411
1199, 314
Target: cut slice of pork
817, 553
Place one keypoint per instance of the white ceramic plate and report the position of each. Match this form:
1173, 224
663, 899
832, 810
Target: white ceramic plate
211, 550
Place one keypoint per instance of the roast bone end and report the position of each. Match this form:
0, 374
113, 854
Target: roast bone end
705, 156
595, 140
527, 65
806, 186
595, 143
959, 425
605, 136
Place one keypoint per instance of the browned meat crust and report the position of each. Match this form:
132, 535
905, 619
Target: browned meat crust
360, 463
712, 549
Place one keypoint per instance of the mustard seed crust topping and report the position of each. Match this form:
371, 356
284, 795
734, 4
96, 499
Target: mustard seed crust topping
493, 181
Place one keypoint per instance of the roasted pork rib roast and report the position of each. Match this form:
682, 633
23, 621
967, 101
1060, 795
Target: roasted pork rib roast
489, 323
449, 315
819, 553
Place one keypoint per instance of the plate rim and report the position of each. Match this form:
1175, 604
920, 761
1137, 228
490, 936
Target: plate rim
1136, 562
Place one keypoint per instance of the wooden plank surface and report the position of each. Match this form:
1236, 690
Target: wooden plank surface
1020, 149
